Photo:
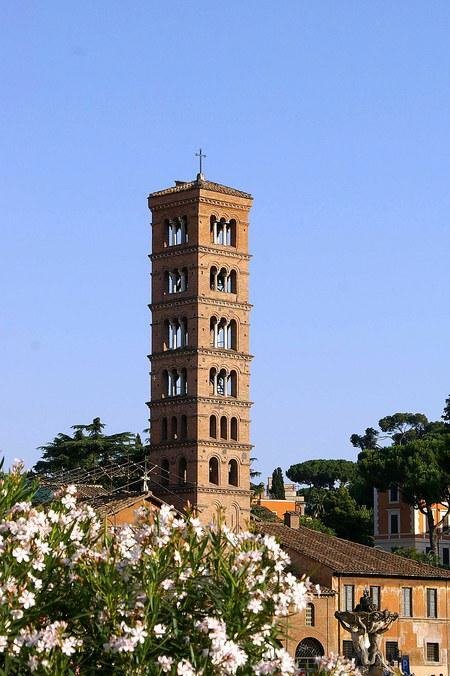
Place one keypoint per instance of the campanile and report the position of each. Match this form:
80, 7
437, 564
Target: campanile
200, 361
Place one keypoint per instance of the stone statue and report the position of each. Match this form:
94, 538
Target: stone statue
366, 624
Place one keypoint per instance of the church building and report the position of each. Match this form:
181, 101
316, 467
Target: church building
200, 360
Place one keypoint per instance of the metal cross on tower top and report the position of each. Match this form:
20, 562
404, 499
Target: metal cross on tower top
200, 156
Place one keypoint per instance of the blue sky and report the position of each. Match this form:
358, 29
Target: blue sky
334, 115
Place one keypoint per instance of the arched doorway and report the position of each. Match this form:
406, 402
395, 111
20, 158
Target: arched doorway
306, 653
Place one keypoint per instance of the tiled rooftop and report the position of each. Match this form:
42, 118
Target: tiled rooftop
349, 558
183, 186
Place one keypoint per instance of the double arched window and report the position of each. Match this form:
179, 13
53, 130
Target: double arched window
175, 382
176, 333
223, 383
176, 280
214, 472
176, 230
223, 333
222, 280
223, 232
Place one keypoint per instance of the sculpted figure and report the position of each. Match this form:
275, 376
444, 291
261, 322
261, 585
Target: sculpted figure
366, 624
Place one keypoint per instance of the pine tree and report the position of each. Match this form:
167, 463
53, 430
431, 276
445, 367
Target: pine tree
277, 491
446, 414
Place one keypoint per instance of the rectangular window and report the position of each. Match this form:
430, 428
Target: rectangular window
407, 602
393, 494
432, 652
309, 615
375, 596
391, 651
349, 597
347, 650
446, 556
393, 522
432, 604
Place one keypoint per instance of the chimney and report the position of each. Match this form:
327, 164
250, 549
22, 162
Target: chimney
292, 519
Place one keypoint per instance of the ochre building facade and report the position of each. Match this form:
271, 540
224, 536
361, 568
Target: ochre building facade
200, 359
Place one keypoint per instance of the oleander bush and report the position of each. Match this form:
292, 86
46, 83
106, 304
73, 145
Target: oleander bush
166, 596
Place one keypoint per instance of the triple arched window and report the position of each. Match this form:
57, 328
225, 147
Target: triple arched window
176, 280
223, 333
223, 232
225, 431
222, 280
176, 333
177, 429
223, 383
176, 230
175, 382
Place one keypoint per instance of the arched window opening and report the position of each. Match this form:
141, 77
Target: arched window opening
234, 429
177, 280
164, 429
221, 383
165, 472
231, 282
177, 231
213, 426
176, 383
309, 615
223, 427
306, 653
212, 228
221, 334
213, 331
232, 232
233, 473
214, 471
212, 278
212, 381
177, 335
166, 384
174, 427
183, 431
182, 471
222, 280
232, 335
232, 384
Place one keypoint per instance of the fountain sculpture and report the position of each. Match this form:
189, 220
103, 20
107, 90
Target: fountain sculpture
366, 624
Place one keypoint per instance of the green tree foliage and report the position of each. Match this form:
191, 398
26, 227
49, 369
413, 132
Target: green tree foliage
323, 473
89, 447
446, 413
422, 557
277, 490
367, 440
347, 519
417, 460
264, 514
315, 524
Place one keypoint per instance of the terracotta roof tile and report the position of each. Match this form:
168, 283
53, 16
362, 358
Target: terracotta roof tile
349, 558
182, 186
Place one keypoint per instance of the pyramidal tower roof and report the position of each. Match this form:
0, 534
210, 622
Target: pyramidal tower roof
200, 184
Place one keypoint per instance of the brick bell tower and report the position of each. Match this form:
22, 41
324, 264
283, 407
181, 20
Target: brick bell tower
200, 361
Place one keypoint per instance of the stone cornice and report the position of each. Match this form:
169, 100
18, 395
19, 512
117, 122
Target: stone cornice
223, 491
187, 443
210, 351
199, 299
217, 401
194, 248
196, 200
